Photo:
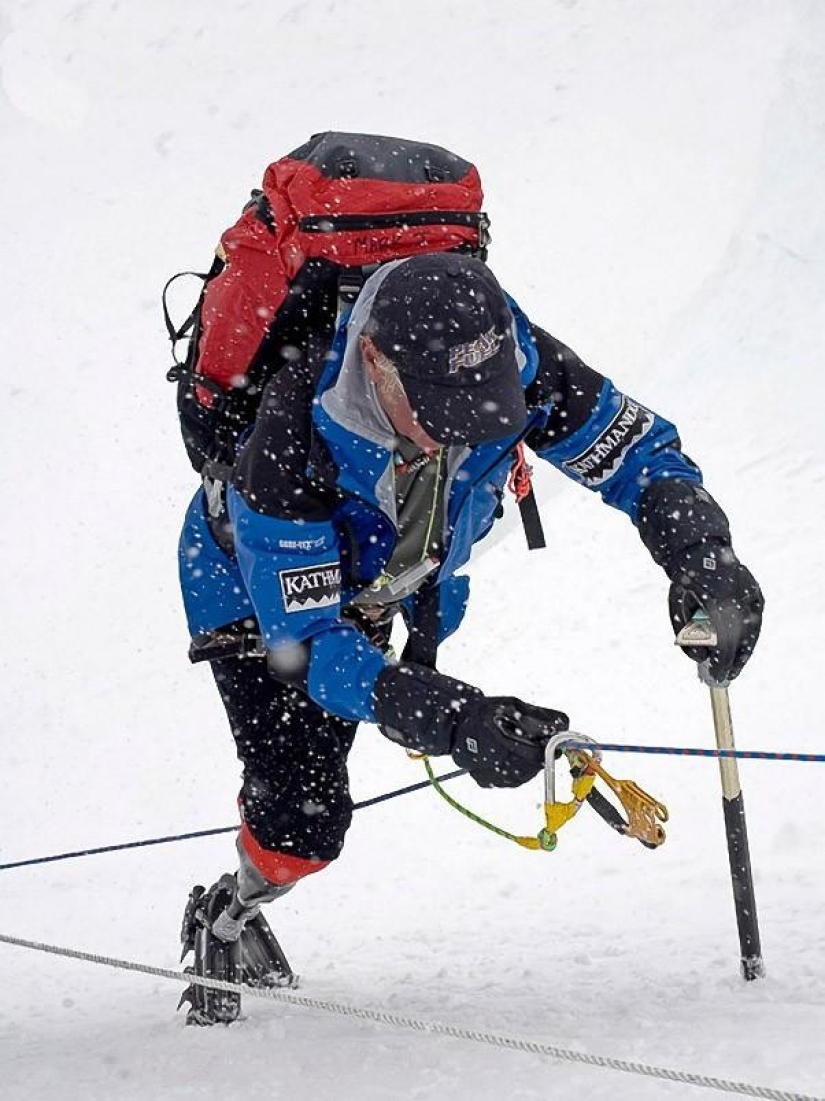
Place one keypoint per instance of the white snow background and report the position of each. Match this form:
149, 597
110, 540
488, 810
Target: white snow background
655, 175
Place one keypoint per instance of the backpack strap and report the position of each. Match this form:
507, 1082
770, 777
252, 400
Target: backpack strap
351, 281
177, 334
422, 643
520, 485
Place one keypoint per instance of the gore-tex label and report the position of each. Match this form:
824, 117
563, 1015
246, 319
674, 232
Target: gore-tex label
602, 458
311, 587
302, 544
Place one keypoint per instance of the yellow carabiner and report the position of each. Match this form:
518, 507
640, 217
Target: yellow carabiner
557, 814
644, 813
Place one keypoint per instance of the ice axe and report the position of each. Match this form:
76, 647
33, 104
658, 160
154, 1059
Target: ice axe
700, 633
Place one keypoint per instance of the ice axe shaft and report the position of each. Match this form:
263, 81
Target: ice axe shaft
700, 633
737, 834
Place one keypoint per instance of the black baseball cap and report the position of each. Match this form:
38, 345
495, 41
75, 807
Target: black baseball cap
444, 322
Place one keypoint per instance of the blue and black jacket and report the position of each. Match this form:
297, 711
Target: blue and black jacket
309, 517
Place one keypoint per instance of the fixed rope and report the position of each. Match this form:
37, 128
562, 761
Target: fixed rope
377, 1016
170, 838
612, 747
739, 754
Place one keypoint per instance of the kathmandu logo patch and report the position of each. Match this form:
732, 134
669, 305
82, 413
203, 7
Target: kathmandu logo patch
475, 352
311, 587
602, 458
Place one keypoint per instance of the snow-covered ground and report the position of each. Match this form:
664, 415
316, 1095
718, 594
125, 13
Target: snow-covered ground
655, 175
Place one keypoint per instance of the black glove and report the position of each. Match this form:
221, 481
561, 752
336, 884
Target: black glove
499, 740
688, 534
710, 578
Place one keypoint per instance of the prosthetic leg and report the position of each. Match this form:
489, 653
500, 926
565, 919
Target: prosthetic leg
232, 942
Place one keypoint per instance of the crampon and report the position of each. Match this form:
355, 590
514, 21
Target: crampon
254, 959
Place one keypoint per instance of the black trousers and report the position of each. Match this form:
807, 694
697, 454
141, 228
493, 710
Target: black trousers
295, 792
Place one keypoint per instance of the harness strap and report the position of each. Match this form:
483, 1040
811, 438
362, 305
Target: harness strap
226, 642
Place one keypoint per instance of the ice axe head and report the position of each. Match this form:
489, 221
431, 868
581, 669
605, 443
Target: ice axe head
699, 634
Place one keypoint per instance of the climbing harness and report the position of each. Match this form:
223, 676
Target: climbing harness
644, 815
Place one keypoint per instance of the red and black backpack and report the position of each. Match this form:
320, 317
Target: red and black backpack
326, 216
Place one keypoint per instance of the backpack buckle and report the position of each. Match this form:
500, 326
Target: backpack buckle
350, 282
213, 490
484, 237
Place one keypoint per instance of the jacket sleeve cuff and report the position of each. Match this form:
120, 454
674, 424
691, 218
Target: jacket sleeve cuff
675, 516
343, 669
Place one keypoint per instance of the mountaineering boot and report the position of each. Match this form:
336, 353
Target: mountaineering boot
214, 958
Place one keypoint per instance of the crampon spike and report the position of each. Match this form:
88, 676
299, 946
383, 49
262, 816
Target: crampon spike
254, 959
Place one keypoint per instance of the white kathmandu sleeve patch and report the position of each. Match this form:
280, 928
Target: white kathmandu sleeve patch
602, 458
308, 588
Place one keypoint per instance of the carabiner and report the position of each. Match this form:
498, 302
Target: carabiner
557, 814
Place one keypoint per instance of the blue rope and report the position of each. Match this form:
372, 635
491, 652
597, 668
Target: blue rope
207, 833
741, 754
405, 791
612, 747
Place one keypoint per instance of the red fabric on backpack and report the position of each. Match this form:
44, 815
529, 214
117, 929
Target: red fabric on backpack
264, 255
239, 304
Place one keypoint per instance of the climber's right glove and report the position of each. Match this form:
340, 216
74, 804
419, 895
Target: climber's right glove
500, 740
